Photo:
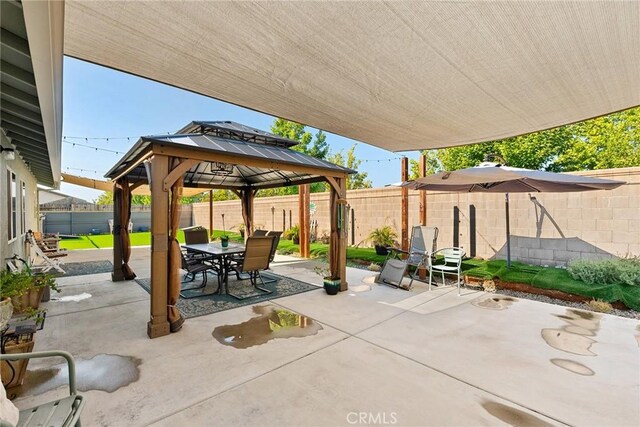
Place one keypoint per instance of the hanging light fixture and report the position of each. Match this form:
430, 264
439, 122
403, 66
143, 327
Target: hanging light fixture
219, 168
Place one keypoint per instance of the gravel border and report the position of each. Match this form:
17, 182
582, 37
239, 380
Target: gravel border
631, 314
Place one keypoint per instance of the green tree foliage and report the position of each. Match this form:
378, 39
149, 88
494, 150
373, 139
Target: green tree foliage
610, 141
356, 180
106, 198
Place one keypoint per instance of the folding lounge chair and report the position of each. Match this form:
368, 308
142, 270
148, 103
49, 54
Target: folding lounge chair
49, 258
423, 244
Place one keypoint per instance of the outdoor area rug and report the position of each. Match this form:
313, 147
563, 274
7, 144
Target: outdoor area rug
201, 306
82, 268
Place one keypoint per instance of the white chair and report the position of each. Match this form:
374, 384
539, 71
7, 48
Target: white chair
452, 264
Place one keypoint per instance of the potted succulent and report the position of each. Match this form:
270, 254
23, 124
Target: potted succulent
382, 238
293, 234
331, 284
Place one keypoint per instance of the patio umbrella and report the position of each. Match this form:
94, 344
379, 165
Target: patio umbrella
495, 178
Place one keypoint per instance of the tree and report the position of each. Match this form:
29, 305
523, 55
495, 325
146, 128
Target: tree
610, 141
356, 180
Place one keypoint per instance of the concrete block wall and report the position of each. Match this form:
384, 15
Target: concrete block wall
546, 228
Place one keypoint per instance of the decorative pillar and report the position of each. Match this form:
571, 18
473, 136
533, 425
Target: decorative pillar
247, 195
404, 171
210, 214
117, 274
158, 324
422, 172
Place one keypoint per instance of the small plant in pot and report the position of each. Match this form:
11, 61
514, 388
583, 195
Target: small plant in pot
293, 234
25, 289
331, 284
382, 238
241, 228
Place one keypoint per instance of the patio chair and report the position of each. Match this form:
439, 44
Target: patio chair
49, 258
193, 266
276, 240
423, 244
260, 233
60, 412
452, 264
193, 236
256, 258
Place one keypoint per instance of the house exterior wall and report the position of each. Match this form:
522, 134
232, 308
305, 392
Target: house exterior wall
550, 229
29, 221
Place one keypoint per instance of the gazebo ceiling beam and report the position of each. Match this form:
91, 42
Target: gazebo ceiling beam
178, 171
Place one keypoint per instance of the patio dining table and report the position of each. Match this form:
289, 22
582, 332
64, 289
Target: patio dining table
223, 255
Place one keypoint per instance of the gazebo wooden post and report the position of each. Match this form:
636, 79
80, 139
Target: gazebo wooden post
210, 213
422, 172
338, 237
304, 198
117, 275
247, 195
158, 324
404, 170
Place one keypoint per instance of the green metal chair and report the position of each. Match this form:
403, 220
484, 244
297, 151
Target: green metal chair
62, 412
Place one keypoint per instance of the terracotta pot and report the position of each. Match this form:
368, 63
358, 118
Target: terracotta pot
30, 299
12, 372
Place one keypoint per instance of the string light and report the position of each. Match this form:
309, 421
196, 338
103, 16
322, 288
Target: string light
93, 147
107, 138
85, 170
379, 160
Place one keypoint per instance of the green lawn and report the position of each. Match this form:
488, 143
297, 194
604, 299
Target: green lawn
137, 239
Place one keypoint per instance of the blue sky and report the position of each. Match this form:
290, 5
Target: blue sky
100, 103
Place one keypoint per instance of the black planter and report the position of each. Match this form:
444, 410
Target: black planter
296, 240
381, 250
332, 286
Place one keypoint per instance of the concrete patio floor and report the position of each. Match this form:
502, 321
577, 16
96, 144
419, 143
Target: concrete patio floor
383, 356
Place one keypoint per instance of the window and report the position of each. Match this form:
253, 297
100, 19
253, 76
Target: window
12, 194
23, 207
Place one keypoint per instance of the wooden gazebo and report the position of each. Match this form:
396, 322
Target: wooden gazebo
211, 155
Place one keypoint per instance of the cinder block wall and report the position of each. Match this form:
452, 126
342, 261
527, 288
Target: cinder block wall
546, 228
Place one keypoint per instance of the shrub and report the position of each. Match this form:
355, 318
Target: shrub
600, 306
292, 233
374, 267
607, 271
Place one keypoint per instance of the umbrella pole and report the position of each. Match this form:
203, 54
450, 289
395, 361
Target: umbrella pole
506, 208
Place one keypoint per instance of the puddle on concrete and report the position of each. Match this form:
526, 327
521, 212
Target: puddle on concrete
105, 372
72, 298
573, 366
496, 302
575, 336
513, 416
271, 323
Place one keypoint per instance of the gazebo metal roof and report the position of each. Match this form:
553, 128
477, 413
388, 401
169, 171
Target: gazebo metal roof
234, 130
267, 166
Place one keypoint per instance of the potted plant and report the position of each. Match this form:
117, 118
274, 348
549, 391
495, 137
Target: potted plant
382, 238
331, 284
241, 228
25, 289
293, 234
224, 240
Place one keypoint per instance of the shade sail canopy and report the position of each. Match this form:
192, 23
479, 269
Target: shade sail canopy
250, 164
398, 75
97, 184
503, 179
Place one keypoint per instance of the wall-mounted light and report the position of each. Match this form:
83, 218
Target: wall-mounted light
9, 153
